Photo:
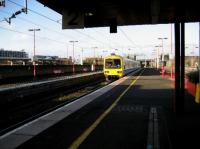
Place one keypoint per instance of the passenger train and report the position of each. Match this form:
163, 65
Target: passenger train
115, 66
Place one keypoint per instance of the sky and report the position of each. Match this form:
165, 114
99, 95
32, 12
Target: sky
51, 40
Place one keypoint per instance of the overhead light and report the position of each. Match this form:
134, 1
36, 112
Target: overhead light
89, 14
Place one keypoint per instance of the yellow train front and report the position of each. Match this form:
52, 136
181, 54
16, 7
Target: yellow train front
113, 67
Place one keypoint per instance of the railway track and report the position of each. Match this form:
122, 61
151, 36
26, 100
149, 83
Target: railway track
15, 115
18, 113
12, 82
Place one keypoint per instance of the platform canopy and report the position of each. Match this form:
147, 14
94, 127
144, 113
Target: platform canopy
100, 13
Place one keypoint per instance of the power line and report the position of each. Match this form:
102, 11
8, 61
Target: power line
15, 31
106, 37
31, 22
128, 38
56, 21
32, 35
91, 37
22, 10
35, 12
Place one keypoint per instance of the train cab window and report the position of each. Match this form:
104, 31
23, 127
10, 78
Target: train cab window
113, 63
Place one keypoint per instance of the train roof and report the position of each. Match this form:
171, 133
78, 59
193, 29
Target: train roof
113, 56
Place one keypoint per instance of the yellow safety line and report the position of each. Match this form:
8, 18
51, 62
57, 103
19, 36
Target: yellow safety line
86, 133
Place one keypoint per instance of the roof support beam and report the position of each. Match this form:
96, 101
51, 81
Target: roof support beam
155, 11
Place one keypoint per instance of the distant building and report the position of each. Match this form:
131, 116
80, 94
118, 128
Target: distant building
132, 56
51, 60
8, 57
45, 60
95, 61
65, 61
191, 61
13, 54
43, 57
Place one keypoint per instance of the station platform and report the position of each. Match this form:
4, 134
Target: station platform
133, 112
18, 92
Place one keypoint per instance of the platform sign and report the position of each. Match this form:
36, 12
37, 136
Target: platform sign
72, 19
2, 3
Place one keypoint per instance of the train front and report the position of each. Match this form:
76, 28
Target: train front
113, 67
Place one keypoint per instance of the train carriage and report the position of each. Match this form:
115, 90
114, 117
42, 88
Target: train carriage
115, 65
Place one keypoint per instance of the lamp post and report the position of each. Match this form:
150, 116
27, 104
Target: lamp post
34, 67
82, 56
73, 48
162, 55
157, 64
94, 50
154, 58
194, 47
199, 57
192, 53
67, 51
94, 61
129, 53
172, 57
162, 47
73, 61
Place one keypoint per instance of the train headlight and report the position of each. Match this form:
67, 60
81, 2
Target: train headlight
106, 71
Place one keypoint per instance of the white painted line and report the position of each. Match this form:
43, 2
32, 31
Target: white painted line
156, 135
150, 131
153, 133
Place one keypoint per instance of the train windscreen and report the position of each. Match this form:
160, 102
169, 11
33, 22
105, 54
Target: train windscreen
112, 63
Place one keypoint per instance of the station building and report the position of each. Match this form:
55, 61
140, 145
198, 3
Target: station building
9, 57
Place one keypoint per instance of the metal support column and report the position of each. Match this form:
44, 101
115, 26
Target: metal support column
179, 67
182, 87
177, 101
